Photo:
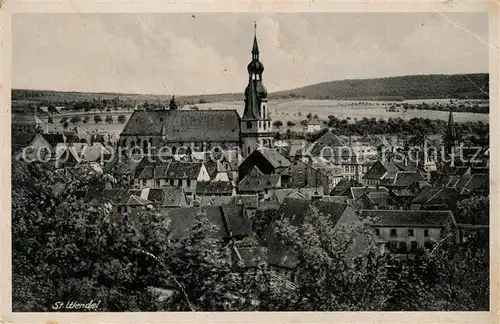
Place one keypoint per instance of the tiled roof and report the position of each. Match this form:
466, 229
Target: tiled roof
168, 170
327, 140
343, 187
335, 199
402, 192
183, 170
377, 171
406, 178
167, 197
254, 182
277, 160
186, 125
215, 200
396, 218
54, 139
356, 192
214, 188
230, 220
448, 196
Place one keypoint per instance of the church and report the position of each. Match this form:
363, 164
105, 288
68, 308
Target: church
202, 130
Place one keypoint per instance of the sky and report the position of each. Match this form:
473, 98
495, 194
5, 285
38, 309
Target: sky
203, 53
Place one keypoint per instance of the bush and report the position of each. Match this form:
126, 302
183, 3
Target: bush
75, 119
122, 119
290, 123
97, 119
109, 119
278, 123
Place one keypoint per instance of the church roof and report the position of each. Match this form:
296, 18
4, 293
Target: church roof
186, 125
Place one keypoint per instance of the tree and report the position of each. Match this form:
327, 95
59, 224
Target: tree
109, 119
65, 125
122, 119
278, 123
97, 119
75, 119
86, 119
304, 122
309, 116
63, 120
290, 123
315, 116
88, 255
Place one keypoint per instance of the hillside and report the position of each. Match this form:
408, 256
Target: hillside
460, 86
471, 86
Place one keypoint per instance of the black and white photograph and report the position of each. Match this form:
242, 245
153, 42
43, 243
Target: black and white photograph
250, 162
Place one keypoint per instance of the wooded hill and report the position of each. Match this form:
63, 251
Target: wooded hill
459, 86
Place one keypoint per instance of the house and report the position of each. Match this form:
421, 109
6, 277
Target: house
283, 257
326, 146
379, 172
268, 161
78, 134
310, 172
436, 198
313, 125
372, 197
279, 195
410, 230
174, 174
230, 221
250, 202
343, 187
259, 183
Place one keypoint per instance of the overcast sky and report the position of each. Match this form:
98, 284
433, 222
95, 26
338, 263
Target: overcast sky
208, 53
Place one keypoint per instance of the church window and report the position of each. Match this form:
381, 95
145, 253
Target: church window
249, 124
265, 125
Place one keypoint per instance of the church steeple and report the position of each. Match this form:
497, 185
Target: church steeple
256, 129
451, 136
255, 91
255, 48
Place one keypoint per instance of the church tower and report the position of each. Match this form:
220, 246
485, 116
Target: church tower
256, 122
450, 139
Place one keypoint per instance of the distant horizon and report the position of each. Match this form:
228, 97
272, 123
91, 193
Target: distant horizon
227, 93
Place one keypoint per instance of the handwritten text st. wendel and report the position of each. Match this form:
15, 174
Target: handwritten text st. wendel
92, 305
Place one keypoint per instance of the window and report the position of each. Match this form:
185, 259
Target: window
188, 182
157, 183
410, 232
426, 233
171, 183
144, 182
377, 231
119, 208
413, 246
249, 124
394, 232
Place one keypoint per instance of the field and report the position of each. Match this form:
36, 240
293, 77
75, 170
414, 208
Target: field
289, 110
